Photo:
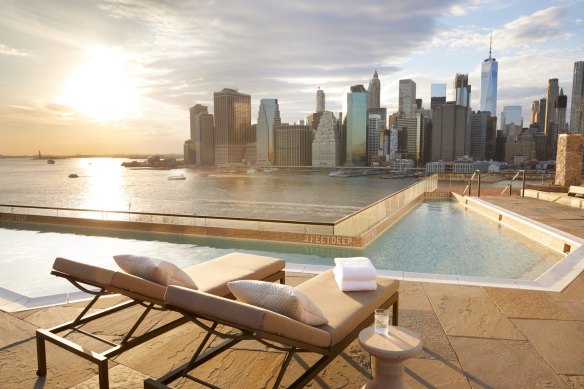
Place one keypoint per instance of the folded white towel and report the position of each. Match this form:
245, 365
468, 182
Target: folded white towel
355, 269
353, 286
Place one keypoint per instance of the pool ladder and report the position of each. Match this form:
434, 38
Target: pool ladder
509, 186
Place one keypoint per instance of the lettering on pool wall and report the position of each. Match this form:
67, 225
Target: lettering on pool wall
328, 239
12, 217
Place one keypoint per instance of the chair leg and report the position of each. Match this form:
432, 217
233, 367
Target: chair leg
41, 355
103, 375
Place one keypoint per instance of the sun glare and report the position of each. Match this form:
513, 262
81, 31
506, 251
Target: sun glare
100, 87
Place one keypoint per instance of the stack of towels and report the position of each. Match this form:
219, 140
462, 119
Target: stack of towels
353, 274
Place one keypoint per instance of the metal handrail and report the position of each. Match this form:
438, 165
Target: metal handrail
469, 185
510, 185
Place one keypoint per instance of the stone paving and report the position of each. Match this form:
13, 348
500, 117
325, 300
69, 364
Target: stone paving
474, 337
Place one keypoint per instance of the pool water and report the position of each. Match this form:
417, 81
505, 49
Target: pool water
435, 237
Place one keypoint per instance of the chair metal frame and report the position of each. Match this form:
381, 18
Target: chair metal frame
277, 342
128, 340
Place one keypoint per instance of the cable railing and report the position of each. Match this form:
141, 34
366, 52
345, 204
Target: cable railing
510, 184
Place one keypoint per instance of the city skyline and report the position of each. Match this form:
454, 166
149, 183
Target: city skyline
126, 83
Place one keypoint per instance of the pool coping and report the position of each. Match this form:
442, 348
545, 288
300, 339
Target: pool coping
555, 279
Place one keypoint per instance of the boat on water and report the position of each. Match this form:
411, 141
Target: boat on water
73, 175
177, 177
347, 173
251, 170
51, 161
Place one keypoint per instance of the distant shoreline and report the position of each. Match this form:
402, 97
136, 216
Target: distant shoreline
129, 156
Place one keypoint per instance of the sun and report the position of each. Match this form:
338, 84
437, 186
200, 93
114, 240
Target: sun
101, 87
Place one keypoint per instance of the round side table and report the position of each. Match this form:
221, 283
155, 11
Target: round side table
389, 350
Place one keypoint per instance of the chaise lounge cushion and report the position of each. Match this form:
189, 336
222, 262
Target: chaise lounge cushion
155, 270
280, 298
256, 319
84, 271
212, 276
345, 310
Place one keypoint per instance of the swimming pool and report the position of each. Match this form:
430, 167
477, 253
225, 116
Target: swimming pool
436, 237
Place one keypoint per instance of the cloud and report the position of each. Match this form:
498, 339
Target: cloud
7, 50
525, 31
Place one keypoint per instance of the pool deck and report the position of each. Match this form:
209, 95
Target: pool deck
474, 337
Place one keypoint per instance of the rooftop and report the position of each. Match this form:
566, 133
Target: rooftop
472, 337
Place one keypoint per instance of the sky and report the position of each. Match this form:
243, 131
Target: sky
118, 76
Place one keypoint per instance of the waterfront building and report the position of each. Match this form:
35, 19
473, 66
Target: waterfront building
450, 132
374, 91
478, 135
561, 104
550, 110
462, 90
356, 125
410, 131
326, 143
521, 149
541, 114
373, 131
232, 126
382, 112
489, 74
393, 145
407, 96
268, 120
534, 111
201, 128
293, 145
437, 95
577, 108
320, 100
189, 153
512, 115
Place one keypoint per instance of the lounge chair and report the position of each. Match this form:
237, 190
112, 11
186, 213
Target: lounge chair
210, 277
348, 313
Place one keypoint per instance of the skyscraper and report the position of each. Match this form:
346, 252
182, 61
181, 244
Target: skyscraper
326, 143
293, 145
450, 132
268, 120
356, 120
561, 104
461, 90
320, 102
437, 95
534, 111
489, 73
232, 126
577, 111
373, 131
374, 92
550, 110
201, 123
407, 96
478, 134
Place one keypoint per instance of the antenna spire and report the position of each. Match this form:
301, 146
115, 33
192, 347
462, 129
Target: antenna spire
490, 44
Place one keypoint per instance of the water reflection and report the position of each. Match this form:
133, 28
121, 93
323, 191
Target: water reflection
102, 184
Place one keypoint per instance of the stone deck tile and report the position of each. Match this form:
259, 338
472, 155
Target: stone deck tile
14, 331
528, 304
561, 343
413, 296
575, 382
119, 377
572, 293
496, 363
467, 311
425, 373
51, 316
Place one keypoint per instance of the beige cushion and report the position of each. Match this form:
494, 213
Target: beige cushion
345, 310
212, 276
283, 299
241, 314
155, 270
84, 272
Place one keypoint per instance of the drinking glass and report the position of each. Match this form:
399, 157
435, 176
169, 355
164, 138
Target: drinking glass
381, 321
